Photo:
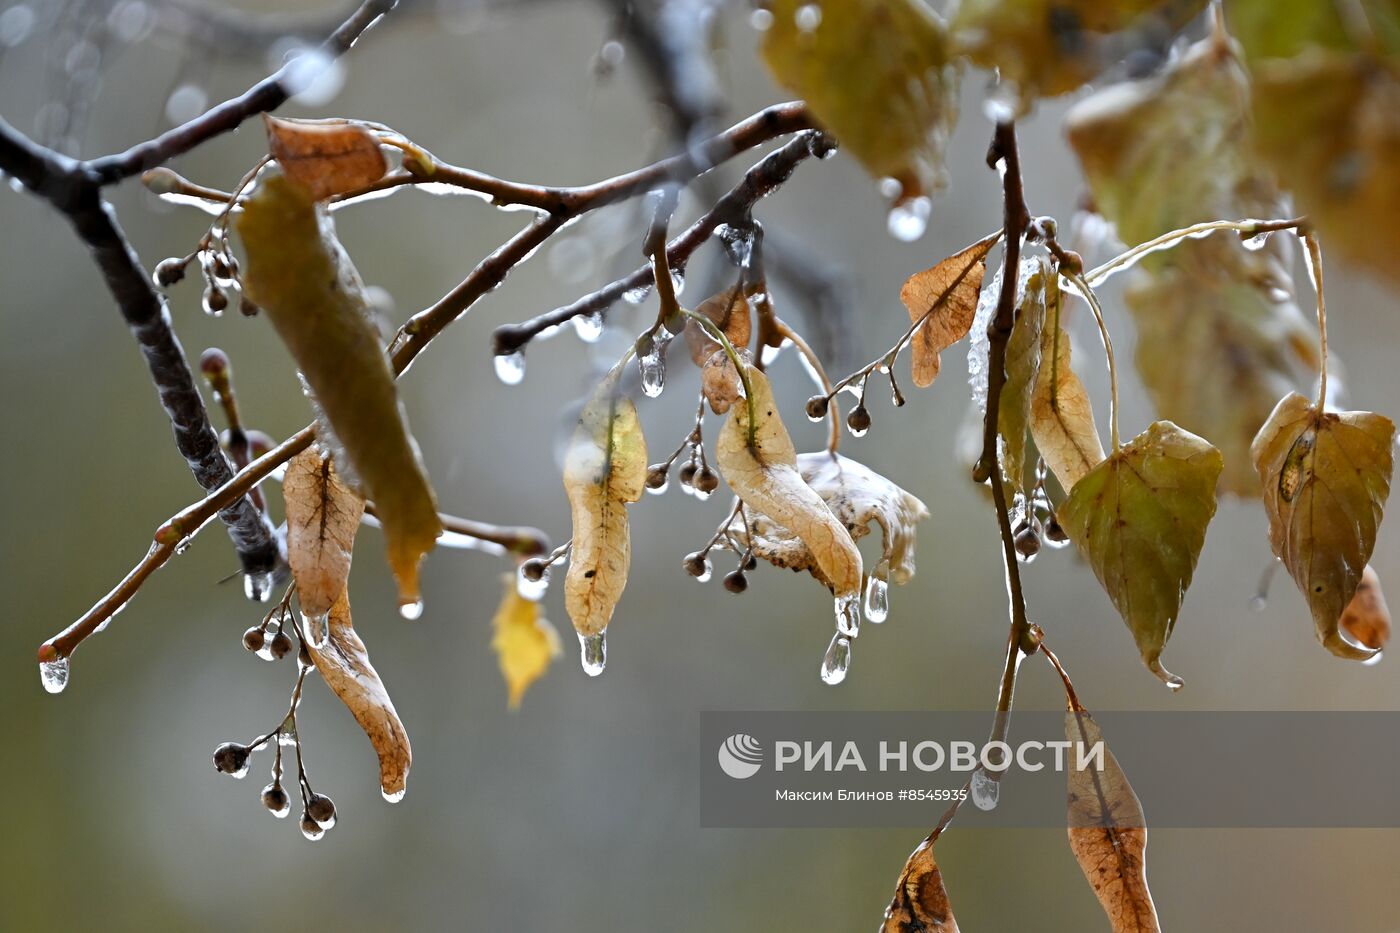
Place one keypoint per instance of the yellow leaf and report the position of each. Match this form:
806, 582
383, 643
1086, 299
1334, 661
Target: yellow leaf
920, 903
604, 470
344, 665
945, 299
298, 273
1108, 832
524, 640
877, 74
764, 475
1139, 518
1326, 477
1061, 416
323, 514
325, 158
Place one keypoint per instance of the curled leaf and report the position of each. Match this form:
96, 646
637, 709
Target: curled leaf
1139, 518
945, 299
604, 470
344, 665
859, 498
1061, 415
1108, 832
1367, 618
878, 75
920, 903
719, 380
298, 273
1022, 366
1326, 476
323, 514
730, 312
325, 158
524, 640
764, 474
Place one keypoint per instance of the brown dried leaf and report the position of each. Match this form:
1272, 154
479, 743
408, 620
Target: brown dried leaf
730, 312
323, 514
325, 158
524, 640
1022, 366
1367, 618
1062, 418
344, 665
1326, 477
764, 475
719, 381
604, 470
920, 903
945, 299
1108, 833
301, 276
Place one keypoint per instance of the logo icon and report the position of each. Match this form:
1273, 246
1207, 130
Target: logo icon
740, 756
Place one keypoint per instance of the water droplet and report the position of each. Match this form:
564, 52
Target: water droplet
311, 829
1175, 683
837, 660
265, 652
286, 808
1256, 242
287, 739
1259, 602
393, 796
593, 652
658, 490
707, 574
257, 586
510, 367
908, 219
848, 615
54, 674
877, 594
315, 630
635, 296
808, 17
589, 327
697, 492
653, 369
411, 609
533, 590
986, 790
1372, 660
330, 823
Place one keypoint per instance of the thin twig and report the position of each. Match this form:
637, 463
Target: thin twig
1315, 273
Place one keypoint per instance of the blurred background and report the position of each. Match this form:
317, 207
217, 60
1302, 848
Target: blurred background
579, 811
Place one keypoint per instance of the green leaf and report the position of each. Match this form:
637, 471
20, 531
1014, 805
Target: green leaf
1285, 28
877, 74
1326, 477
1045, 48
1139, 518
302, 278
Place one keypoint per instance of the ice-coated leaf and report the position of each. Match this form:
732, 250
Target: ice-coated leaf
344, 665
1108, 832
323, 514
730, 312
1139, 518
1167, 152
604, 470
1062, 417
1045, 48
920, 903
878, 75
1022, 367
299, 274
945, 299
1329, 124
325, 158
764, 474
1366, 618
1326, 476
860, 498
524, 640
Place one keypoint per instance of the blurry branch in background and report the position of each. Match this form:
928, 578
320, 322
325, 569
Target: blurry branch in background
74, 188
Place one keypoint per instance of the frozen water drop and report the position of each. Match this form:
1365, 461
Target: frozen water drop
635, 296
658, 490
653, 370
877, 596
393, 796
287, 739
510, 367
909, 219
589, 327
54, 674
265, 652
1372, 660
837, 660
1259, 602
986, 790
533, 590
257, 586
1256, 242
848, 615
314, 627
411, 609
593, 653
311, 829
707, 574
